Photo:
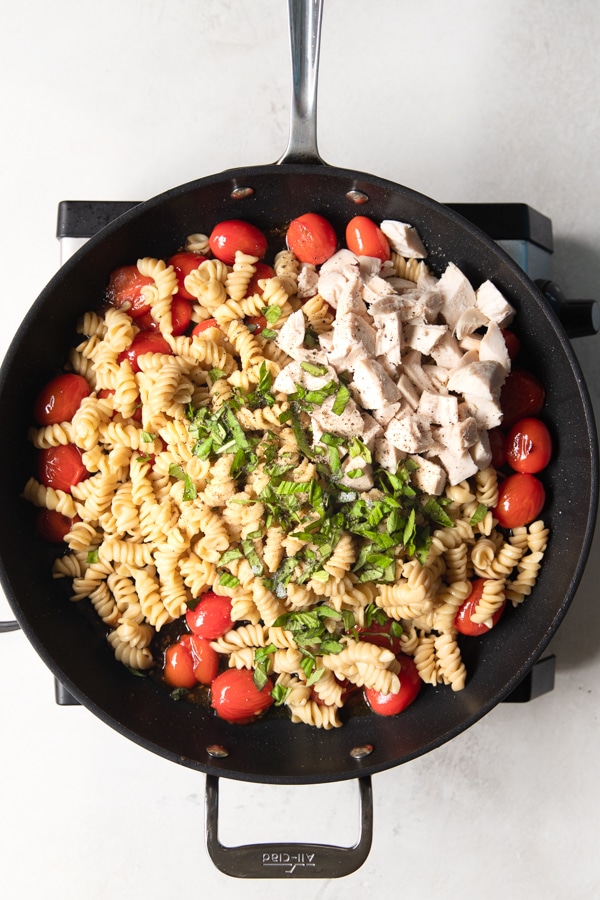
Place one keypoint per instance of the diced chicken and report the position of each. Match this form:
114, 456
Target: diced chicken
408, 391
386, 454
486, 412
349, 299
430, 477
468, 322
369, 266
374, 385
343, 261
478, 379
375, 289
459, 436
459, 466
494, 305
349, 423
457, 294
492, 347
308, 278
389, 337
404, 239
385, 414
372, 430
409, 432
412, 368
330, 286
293, 374
439, 409
424, 337
437, 376
290, 339
447, 352
357, 474
481, 452
353, 339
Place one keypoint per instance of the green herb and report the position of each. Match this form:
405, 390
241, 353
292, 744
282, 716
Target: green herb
268, 334
252, 557
341, 400
315, 369
216, 374
92, 556
229, 556
479, 514
228, 580
189, 490
271, 313
148, 437
280, 694
262, 665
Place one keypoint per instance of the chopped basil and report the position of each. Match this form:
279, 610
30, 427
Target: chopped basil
271, 313
479, 514
228, 580
341, 400
189, 490
148, 437
314, 369
229, 556
268, 334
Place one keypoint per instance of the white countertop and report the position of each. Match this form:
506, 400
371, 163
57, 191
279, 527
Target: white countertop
469, 101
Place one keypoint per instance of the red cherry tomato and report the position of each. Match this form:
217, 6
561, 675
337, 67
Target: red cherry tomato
61, 467
211, 617
410, 685
365, 238
236, 698
255, 324
521, 498
144, 342
528, 446
124, 289
178, 666
262, 271
463, 622
379, 634
60, 398
513, 344
181, 316
203, 326
52, 526
497, 440
311, 238
206, 659
184, 263
234, 234
522, 395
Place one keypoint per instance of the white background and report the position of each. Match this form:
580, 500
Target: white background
470, 100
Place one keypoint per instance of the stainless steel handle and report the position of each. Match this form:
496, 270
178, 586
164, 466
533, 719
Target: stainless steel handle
305, 37
288, 860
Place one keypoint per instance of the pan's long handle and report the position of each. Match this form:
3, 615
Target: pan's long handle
288, 860
305, 36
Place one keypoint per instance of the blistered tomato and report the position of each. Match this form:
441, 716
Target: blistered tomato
144, 342
528, 445
184, 263
235, 234
125, 290
463, 623
522, 395
181, 316
236, 698
410, 685
61, 467
60, 398
52, 526
211, 617
521, 498
311, 238
365, 238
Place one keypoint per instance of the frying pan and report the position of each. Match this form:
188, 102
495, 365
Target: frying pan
274, 750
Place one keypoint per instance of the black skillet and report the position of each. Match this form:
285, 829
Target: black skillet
274, 750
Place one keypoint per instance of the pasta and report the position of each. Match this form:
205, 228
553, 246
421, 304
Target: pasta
200, 478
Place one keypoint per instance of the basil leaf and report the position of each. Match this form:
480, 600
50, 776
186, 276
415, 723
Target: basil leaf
341, 400
315, 369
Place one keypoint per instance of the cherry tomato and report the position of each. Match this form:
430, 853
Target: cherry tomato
365, 238
262, 271
181, 316
124, 289
513, 344
528, 445
234, 234
60, 398
206, 659
52, 526
410, 685
255, 324
203, 326
236, 698
522, 395
211, 617
61, 467
463, 622
144, 342
311, 238
184, 263
497, 440
379, 634
521, 498
178, 666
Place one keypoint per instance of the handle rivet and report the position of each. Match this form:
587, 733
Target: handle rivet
361, 752
357, 197
217, 751
240, 193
